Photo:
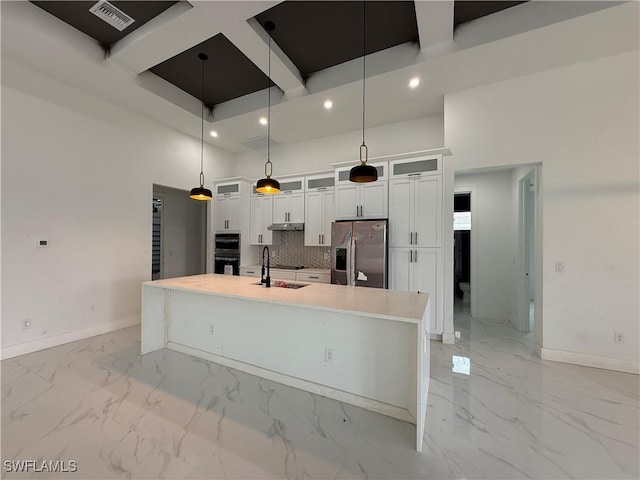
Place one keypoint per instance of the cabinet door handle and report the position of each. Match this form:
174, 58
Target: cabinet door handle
415, 256
410, 238
323, 238
319, 238
410, 256
416, 242
311, 276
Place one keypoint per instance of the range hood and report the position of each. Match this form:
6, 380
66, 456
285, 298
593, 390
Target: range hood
287, 227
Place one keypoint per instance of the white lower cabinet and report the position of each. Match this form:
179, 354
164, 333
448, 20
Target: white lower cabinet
313, 277
250, 271
281, 274
419, 270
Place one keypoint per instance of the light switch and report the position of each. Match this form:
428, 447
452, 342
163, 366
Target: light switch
42, 243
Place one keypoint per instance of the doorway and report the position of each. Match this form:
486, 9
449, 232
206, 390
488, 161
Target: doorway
179, 226
462, 247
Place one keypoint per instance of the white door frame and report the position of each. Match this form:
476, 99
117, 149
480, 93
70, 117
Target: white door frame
521, 318
473, 254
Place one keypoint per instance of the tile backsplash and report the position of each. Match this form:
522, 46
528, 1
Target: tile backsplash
288, 249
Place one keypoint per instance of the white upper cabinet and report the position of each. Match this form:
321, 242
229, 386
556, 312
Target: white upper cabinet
261, 218
227, 206
361, 201
415, 203
318, 209
288, 205
416, 167
319, 215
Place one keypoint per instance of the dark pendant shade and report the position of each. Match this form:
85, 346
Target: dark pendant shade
268, 185
363, 173
201, 193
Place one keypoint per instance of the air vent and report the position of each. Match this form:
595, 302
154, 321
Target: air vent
112, 15
257, 143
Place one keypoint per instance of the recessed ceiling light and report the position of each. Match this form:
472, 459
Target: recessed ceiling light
328, 104
213, 133
414, 82
263, 121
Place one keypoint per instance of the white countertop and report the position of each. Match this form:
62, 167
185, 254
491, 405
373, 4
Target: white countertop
374, 302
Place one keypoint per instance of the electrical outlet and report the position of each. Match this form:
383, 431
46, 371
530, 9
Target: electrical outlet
328, 355
326, 256
26, 324
618, 337
211, 329
559, 267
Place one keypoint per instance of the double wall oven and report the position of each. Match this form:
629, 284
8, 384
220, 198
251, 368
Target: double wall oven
226, 258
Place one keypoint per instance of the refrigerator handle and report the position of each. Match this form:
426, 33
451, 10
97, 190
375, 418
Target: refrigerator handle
351, 279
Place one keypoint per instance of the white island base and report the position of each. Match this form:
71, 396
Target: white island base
363, 346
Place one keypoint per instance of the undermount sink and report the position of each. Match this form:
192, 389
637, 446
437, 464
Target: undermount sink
281, 284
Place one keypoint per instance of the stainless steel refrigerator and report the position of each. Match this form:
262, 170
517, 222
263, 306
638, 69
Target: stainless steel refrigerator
359, 253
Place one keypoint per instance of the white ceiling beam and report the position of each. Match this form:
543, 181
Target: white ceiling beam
435, 23
162, 41
251, 38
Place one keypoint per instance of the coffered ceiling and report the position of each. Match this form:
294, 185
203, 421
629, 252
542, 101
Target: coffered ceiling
151, 67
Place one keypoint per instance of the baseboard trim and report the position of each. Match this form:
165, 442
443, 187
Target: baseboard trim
48, 342
448, 338
606, 363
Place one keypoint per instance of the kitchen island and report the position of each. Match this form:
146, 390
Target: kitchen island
364, 346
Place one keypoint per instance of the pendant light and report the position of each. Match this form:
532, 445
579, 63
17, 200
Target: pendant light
363, 173
268, 185
201, 193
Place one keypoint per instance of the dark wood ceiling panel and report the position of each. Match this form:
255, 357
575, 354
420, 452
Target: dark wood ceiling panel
228, 73
77, 14
465, 11
319, 34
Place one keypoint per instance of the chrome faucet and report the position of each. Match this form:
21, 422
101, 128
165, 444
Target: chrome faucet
266, 281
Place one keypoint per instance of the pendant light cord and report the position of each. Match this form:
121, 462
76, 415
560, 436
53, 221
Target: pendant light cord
269, 103
202, 126
364, 61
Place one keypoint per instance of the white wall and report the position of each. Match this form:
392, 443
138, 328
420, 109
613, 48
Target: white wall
582, 123
80, 177
491, 282
318, 154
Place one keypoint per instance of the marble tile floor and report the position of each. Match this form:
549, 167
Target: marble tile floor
169, 415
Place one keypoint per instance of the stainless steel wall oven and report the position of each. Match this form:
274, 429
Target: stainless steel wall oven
227, 254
